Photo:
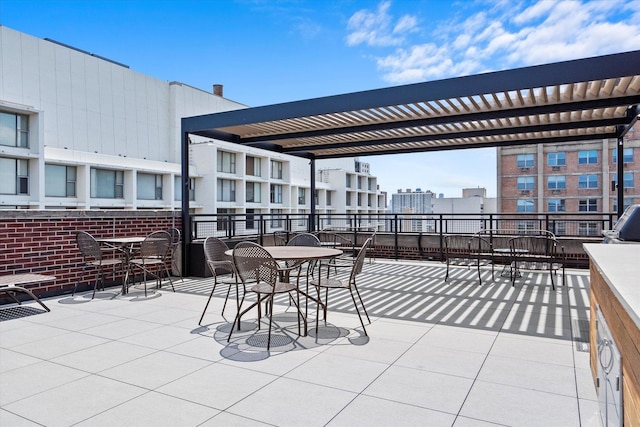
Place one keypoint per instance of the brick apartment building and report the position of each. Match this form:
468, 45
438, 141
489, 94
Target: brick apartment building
571, 177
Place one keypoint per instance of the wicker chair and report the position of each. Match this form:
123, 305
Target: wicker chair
222, 269
350, 284
152, 258
257, 268
92, 257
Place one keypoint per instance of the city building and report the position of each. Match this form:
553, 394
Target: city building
79, 131
570, 177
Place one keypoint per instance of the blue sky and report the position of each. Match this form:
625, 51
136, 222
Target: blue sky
268, 51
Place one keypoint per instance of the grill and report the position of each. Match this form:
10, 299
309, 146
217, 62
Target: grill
626, 229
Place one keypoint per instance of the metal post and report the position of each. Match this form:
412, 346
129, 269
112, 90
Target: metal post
186, 217
620, 174
312, 213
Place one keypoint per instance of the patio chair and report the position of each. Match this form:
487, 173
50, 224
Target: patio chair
93, 257
173, 250
152, 258
541, 252
338, 241
350, 284
303, 239
280, 238
222, 269
466, 250
257, 268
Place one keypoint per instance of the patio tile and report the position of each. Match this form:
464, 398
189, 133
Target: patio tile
83, 321
371, 411
218, 385
589, 413
456, 338
121, 328
344, 373
168, 316
153, 409
130, 309
443, 360
425, 389
32, 379
59, 345
585, 384
230, 420
398, 330
530, 348
160, 338
155, 370
530, 375
470, 422
269, 362
376, 350
103, 357
12, 360
28, 333
516, 406
205, 348
74, 401
287, 402
13, 420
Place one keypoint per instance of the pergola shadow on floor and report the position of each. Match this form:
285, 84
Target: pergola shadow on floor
417, 292
437, 354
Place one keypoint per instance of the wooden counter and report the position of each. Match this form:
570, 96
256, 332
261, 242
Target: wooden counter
615, 287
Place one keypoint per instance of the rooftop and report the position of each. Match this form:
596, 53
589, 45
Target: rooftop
437, 354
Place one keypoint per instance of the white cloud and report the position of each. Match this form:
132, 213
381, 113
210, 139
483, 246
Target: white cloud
376, 28
500, 34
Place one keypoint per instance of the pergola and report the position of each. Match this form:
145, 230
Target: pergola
584, 99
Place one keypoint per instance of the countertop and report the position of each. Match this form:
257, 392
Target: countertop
619, 265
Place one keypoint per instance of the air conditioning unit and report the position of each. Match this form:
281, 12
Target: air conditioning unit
555, 191
525, 192
555, 168
525, 169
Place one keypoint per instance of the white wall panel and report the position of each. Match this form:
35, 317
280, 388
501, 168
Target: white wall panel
12, 60
63, 76
30, 71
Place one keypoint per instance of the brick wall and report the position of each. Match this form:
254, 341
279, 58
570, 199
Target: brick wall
44, 241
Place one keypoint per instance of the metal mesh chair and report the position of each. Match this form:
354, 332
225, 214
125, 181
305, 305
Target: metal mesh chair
257, 268
173, 250
152, 258
222, 269
93, 257
350, 284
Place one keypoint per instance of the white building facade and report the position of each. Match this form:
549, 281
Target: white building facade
78, 131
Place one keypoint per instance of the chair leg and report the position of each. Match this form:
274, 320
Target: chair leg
227, 298
361, 302
207, 304
355, 305
270, 322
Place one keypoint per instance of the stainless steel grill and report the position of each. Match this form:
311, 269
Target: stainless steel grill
627, 228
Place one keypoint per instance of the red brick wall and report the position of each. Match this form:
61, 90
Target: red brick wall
44, 241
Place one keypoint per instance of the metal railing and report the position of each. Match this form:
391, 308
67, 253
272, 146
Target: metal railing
587, 224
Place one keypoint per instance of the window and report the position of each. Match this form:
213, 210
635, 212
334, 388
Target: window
254, 166
250, 219
60, 181
226, 162
556, 182
556, 205
627, 179
588, 229
348, 198
627, 155
14, 130
224, 218
149, 186
276, 193
526, 183
525, 226
588, 205
276, 218
328, 198
301, 196
556, 159
107, 184
525, 160
276, 169
628, 201
226, 190
348, 181
253, 192
14, 176
588, 181
178, 188
526, 205
559, 228
589, 157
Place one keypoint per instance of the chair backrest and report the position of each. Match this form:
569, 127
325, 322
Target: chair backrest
88, 246
357, 266
534, 245
175, 236
304, 239
214, 253
280, 238
254, 264
155, 245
